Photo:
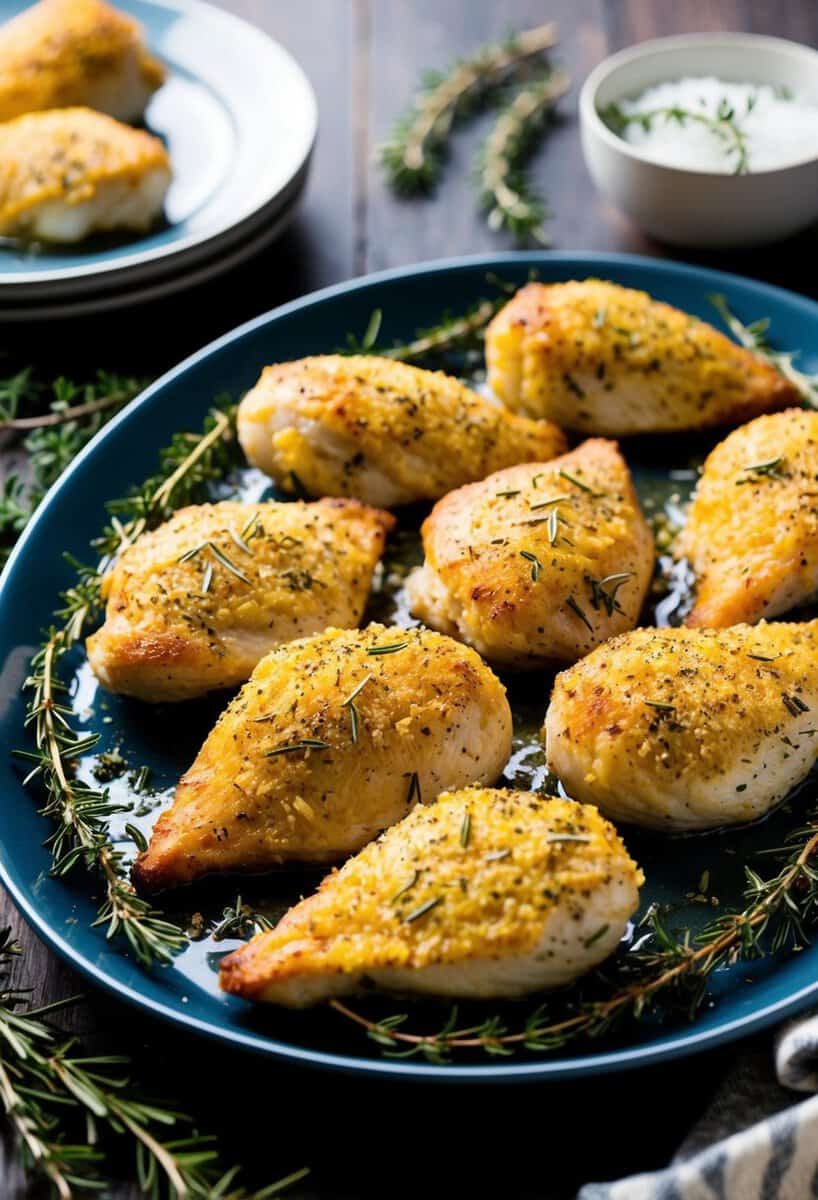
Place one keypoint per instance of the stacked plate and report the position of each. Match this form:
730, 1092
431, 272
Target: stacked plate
239, 118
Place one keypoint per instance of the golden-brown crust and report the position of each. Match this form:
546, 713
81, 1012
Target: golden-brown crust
752, 536
180, 621
284, 775
54, 54
380, 429
603, 359
511, 562
682, 729
65, 155
487, 896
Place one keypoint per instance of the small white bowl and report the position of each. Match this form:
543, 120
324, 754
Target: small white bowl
700, 208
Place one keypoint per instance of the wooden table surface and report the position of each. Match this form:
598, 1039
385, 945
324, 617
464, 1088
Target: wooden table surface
364, 57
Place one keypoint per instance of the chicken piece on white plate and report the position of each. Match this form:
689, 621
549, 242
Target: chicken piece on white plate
331, 740
598, 358
688, 729
751, 534
70, 172
194, 605
483, 893
380, 430
63, 53
539, 563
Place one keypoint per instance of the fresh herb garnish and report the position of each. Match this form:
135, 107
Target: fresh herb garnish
770, 469
794, 704
465, 829
354, 715
536, 565
391, 649
294, 747
583, 487
575, 608
603, 591
422, 910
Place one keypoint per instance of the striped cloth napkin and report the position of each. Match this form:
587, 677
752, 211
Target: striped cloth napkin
752, 1143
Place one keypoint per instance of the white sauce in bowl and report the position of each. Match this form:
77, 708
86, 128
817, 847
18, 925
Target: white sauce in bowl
707, 124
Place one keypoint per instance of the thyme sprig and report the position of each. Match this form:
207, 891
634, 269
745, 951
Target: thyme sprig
724, 125
81, 812
413, 154
755, 337
462, 333
667, 975
503, 188
64, 1106
74, 413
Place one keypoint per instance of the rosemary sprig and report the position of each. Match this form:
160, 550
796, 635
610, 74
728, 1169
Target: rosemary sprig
724, 125
413, 154
503, 189
668, 975
80, 812
63, 1105
754, 337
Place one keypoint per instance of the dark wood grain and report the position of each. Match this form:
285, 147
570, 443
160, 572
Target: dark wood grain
364, 58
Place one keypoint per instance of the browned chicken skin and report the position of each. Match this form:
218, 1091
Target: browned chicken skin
193, 605
61, 53
752, 531
332, 739
539, 891
380, 430
603, 359
538, 563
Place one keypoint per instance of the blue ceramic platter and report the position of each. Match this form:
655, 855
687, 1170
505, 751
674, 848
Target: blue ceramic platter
744, 998
239, 119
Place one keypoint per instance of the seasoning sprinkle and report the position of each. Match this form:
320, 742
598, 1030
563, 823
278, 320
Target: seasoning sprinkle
465, 829
547, 503
589, 941
304, 744
599, 595
414, 789
657, 704
508, 495
497, 855
536, 565
422, 910
763, 657
567, 837
583, 487
392, 649
349, 703
409, 884
771, 468
239, 541
575, 608
794, 704
207, 578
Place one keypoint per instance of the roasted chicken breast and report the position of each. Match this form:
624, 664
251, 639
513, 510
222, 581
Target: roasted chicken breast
481, 893
194, 604
380, 430
538, 563
684, 729
751, 535
70, 172
332, 739
61, 53
602, 359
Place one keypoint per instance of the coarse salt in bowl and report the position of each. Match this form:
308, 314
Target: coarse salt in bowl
707, 140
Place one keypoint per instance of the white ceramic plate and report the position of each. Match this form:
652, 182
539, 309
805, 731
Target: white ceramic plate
239, 118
